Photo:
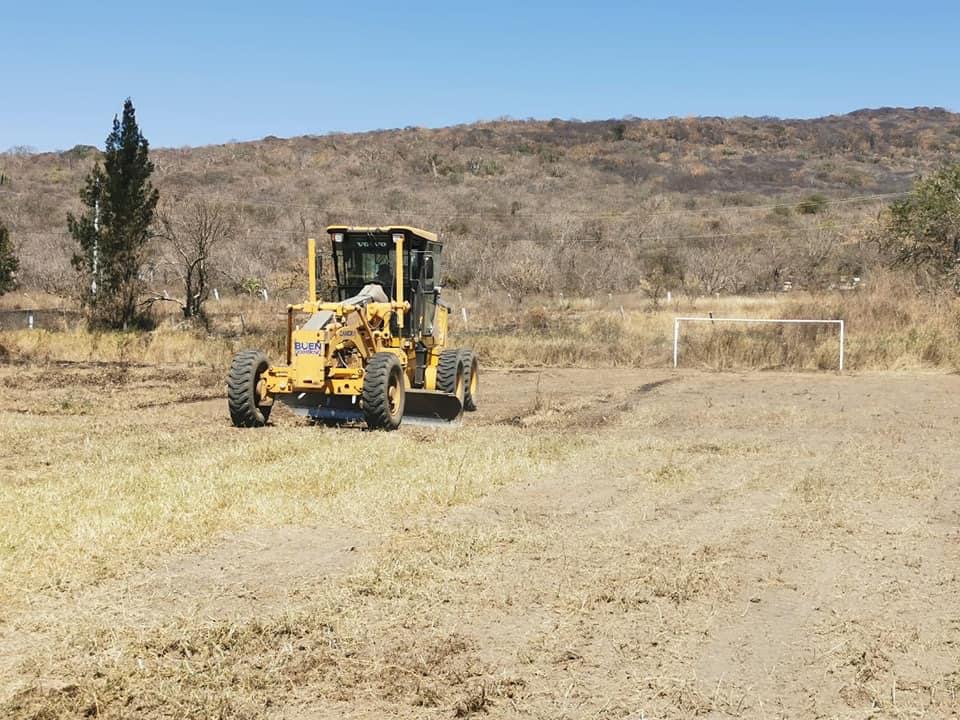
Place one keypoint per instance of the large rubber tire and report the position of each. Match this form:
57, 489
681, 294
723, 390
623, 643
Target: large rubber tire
383, 392
242, 396
451, 375
471, 385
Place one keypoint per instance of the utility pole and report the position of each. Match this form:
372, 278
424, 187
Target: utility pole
96, 241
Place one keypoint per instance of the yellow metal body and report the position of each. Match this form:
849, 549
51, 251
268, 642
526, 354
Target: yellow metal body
331, 360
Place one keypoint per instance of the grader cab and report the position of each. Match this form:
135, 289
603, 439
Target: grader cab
376, 353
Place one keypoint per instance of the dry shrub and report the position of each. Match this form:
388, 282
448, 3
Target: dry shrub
540, 320
521, 201
890, 324
197, 669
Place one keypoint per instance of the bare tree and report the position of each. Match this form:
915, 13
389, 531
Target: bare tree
526, 274
190, 233
816, 254
715, 266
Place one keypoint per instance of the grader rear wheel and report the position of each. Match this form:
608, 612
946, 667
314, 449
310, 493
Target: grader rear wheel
451, 373
383, 392
243, 389
472, 385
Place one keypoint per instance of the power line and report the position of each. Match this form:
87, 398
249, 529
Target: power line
282, 235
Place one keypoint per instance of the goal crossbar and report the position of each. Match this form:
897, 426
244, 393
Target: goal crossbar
678, 320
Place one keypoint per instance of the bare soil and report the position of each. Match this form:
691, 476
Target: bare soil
762, 545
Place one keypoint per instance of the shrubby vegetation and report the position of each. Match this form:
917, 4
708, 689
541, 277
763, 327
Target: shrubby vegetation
922, 231
699, 205
8, 261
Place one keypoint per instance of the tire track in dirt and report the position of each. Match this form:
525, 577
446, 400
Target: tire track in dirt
751, 546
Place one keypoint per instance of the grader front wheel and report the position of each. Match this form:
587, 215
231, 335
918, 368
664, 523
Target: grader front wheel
451, 373
243, 391
383, 392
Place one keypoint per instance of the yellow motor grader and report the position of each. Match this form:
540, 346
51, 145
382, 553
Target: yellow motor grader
377, 353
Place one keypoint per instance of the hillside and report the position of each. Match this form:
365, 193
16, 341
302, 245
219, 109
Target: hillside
709, 203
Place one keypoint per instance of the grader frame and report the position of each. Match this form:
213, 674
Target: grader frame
377, 353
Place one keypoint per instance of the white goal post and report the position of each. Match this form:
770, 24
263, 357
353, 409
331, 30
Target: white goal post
678, 320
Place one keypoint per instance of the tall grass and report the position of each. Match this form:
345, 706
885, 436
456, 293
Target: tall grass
890, 325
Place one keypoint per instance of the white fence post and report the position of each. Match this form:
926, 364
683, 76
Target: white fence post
676, 339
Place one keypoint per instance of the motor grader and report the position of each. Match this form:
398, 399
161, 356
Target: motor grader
377, 353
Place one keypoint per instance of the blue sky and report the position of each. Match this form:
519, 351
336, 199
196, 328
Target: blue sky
209, 72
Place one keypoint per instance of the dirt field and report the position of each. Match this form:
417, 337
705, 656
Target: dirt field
590, 544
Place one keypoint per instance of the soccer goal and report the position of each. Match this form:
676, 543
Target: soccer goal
678, 320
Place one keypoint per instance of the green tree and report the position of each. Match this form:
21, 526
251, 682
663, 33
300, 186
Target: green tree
8, 261
114, 230
922, 231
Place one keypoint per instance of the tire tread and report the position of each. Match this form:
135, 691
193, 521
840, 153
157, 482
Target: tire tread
450, 363
376, 385
241, 389
469, 361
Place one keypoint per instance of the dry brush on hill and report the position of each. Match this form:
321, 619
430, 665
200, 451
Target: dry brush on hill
709, 204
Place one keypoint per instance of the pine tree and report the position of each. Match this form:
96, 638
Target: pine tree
8, 261
114, 230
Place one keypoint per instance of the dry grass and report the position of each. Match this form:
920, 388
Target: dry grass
517, 570
890, 325
158, 488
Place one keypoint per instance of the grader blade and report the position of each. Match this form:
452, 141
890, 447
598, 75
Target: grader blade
425, 407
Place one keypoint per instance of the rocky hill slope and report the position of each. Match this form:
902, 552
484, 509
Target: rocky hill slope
533, 205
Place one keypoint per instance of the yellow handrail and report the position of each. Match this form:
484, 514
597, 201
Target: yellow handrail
312, 267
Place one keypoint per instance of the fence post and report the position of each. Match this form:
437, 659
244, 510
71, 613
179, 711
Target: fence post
676, 340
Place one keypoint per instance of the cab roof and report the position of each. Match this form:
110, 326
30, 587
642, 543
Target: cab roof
386, 230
